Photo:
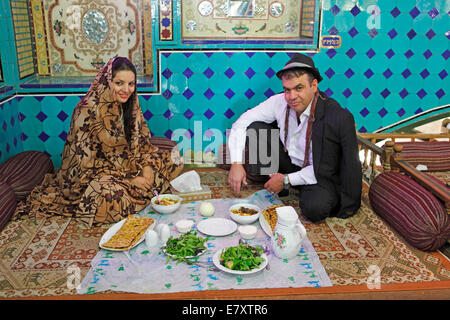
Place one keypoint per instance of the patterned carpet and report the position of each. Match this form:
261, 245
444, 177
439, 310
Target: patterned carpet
35, 255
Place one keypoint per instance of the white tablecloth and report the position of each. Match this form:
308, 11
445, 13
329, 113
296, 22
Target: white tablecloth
142, 270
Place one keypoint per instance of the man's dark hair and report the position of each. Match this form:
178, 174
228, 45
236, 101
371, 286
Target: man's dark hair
297, 72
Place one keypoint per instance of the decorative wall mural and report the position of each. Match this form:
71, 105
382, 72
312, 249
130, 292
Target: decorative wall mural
308, 18
82, 35
39, 32
147, 37
242, 19
166, 20
23, 37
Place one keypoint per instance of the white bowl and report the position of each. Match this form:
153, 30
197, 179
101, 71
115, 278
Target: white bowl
184, 226
166, 208
247, 232
244, 219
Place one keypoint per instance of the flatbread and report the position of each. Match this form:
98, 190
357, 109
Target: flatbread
130, 233
270, 214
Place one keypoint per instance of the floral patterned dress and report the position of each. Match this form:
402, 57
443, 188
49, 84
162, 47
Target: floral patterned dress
98, 162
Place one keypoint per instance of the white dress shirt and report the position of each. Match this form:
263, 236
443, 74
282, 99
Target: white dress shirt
268, 111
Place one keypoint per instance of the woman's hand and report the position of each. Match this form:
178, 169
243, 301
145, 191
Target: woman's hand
141, 182
147, 172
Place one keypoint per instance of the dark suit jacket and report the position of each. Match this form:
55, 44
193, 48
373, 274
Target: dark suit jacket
335, 154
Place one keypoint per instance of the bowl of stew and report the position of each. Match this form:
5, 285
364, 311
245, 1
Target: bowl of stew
244, 213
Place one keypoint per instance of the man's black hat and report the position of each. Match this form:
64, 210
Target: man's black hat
301, 61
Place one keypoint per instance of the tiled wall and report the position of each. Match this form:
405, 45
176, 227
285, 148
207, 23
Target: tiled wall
385, 71
10, 130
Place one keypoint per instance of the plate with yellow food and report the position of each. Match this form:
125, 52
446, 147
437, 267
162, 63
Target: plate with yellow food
126, 234
268, 218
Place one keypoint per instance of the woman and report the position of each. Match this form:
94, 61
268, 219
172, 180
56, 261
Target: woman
109, 167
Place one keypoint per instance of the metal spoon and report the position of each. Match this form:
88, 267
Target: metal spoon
265, 249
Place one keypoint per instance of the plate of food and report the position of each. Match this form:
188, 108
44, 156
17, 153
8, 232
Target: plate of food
242, 259
244, 213
126, 234
268, 219
185, 247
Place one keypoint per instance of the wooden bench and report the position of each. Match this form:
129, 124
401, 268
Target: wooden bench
377, 159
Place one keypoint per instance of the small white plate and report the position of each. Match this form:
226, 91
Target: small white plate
216, 262
265, 225
217, 227
112, 231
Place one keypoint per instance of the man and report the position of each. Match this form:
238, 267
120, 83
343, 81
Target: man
317, 149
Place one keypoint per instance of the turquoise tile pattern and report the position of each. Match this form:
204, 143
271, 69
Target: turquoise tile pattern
393, 64
10, 130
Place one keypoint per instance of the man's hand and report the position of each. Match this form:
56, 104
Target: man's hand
236, 176
275, 183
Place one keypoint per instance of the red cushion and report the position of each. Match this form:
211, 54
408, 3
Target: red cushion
435, 154
8, 203
411, 210
24, 171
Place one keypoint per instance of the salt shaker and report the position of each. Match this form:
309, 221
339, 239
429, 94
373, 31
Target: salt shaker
164, 232
151, 238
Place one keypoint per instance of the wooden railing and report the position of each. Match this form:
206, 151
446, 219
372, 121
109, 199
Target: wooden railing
390, 159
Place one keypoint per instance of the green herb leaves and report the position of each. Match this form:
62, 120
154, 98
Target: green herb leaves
242, 257
184, 247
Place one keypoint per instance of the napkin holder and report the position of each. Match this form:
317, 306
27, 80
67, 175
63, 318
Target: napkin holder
203, 194
188, 186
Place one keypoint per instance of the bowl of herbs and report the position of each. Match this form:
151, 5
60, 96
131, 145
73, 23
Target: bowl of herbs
241, 259
185, 247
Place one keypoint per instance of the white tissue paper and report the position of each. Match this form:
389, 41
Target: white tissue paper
187, 182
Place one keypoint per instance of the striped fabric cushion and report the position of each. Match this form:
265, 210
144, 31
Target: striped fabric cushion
411, 210
8, 203
163, 143
24, 171
435, 154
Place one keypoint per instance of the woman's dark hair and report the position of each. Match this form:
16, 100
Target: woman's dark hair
123, 64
